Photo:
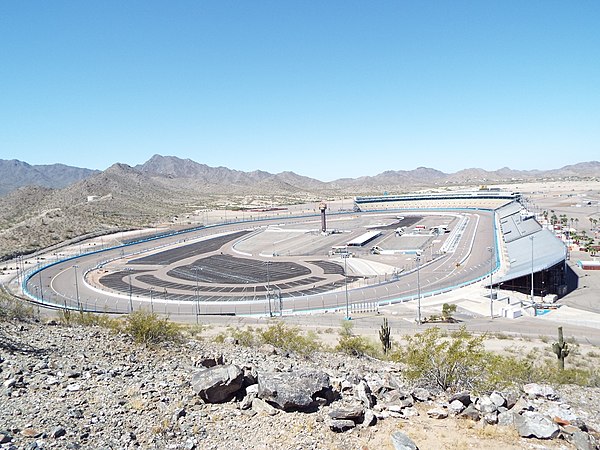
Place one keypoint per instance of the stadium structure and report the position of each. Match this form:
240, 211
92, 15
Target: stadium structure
484, 198
535, 258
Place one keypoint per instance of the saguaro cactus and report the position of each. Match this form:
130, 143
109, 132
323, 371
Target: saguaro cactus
384, 336
561, 348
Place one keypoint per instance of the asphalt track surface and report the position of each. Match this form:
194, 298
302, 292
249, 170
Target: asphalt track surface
70, 283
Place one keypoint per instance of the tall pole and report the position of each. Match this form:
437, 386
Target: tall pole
77, 287
531, 237
268, 263
280, 304
41, 286
418, 289
195, 269
491, 249
130, 289
346, 283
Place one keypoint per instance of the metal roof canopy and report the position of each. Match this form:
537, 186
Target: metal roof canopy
548, 251
363, 238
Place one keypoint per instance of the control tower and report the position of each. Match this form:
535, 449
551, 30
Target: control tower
323, 207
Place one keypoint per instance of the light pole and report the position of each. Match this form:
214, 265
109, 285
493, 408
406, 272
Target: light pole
418, 288
41, 286
531, 237
196, 269
268, 263
151, 300
491, 250
77, 287
130, 291
345, 255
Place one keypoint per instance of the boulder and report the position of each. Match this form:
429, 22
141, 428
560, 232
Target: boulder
369, 418
470, 412
400, 441
354, 413
294, 391
260, 406
251, 393
539, 390
464, 397
268, 349
506, 419
456, 406
437, 413
421, 395
522, 405
582, 440
491, 418
362, 391
211, 361
58, 432
217, 384
497, 399
340, 425
534, 424
486, 405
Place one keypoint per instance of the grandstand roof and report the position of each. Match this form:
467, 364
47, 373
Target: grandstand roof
547, 252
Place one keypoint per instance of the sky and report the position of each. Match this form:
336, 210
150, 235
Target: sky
327, 89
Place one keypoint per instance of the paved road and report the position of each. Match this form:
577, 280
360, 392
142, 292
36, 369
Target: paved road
63, 283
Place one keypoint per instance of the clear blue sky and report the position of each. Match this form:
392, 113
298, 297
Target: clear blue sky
327, 89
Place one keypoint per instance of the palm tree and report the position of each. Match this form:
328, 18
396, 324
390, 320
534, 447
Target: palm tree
576, 222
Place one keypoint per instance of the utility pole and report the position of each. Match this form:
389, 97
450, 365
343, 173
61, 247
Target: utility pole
268, 263
130, 292
196, 269
418, 288
345, 255
491, 250
532, 301
77, 287
41, 285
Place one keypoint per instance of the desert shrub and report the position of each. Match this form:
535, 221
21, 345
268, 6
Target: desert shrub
12, 308
148, 329
548, 372
502, 372
457, 362
354, 345
69, 317
289, 338
65, 317
246, 338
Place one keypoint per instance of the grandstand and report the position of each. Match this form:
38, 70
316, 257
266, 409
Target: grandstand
530, 248
482, 198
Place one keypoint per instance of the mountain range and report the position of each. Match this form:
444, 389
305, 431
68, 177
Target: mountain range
45, 205
15, 174
171, 171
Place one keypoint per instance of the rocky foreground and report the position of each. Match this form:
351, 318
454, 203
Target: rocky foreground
85, 387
